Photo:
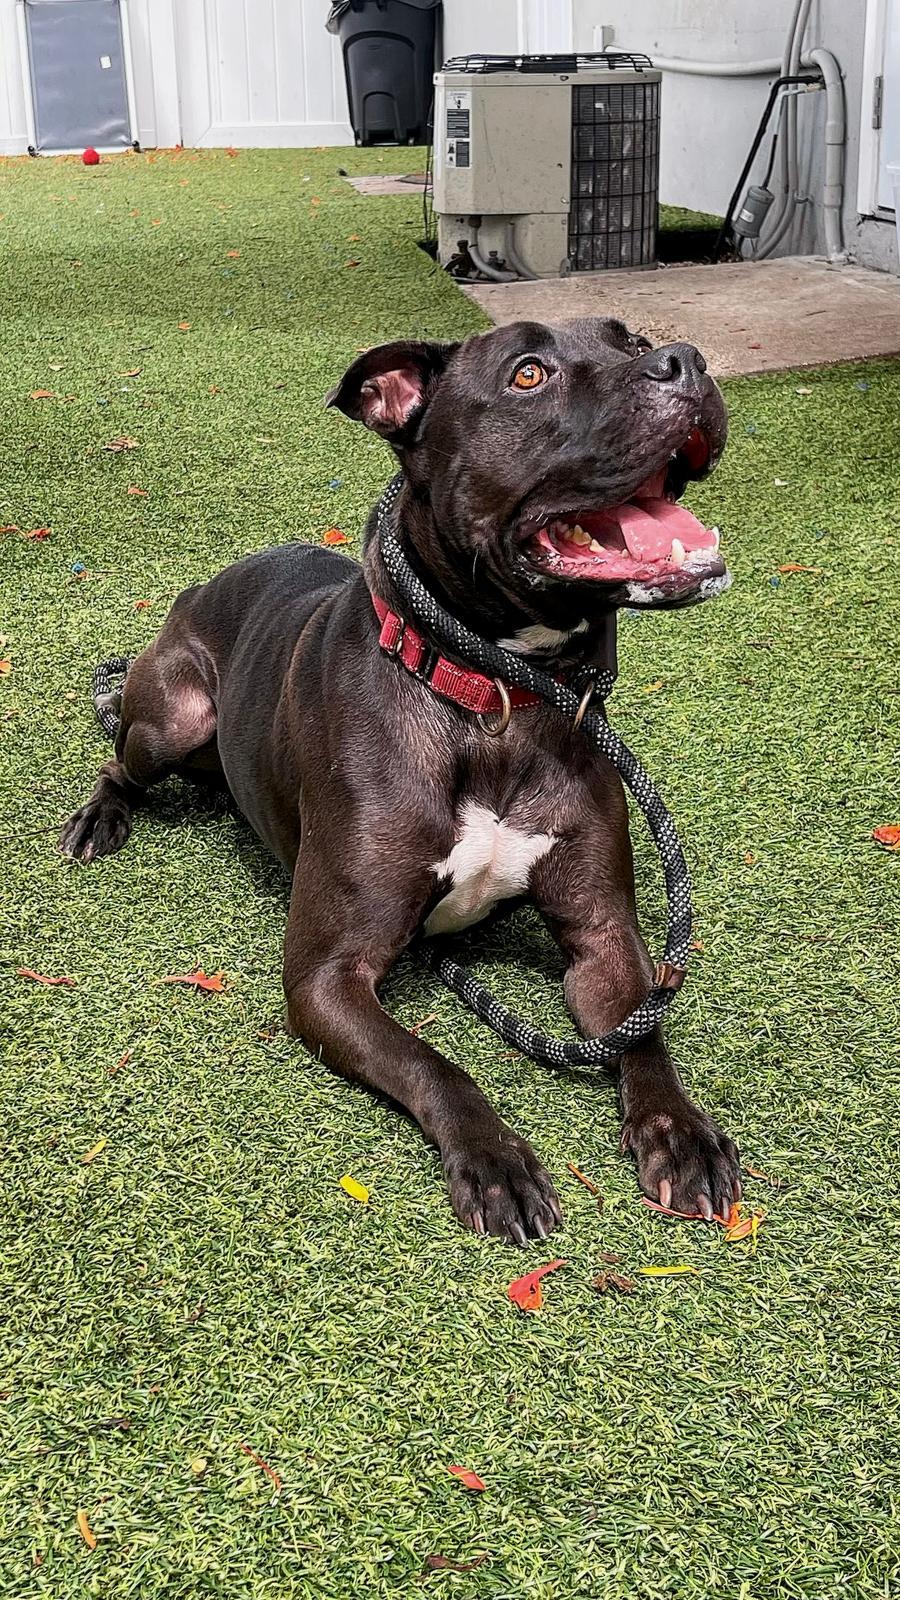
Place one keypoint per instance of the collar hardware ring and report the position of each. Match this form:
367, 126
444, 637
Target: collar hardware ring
585, 701
505, 712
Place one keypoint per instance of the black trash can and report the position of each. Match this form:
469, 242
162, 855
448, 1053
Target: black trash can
389, 57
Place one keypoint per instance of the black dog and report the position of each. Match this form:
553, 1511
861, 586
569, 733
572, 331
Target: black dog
542, 469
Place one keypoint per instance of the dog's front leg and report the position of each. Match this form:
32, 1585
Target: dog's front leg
340, 944
683, 1158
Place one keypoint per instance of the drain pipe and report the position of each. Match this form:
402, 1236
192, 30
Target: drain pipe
495, 273
515, 260
835, 139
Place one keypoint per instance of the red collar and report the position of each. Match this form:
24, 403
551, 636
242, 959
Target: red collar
468, 688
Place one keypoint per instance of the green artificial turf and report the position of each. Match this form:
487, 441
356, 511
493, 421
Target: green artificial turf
677, 219
204, 1281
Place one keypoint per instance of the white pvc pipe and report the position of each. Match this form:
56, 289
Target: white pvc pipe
835, 139
714, 69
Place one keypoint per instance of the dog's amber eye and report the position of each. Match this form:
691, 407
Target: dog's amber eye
530, 375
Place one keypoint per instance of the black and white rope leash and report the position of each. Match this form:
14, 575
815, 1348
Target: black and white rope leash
496, 662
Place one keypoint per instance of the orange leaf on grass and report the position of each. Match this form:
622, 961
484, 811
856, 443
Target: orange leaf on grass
199, 980
5, 667
796, 566
133, 489
41, 977
43, 394
133, 372
11, 527
743, 1227
334, 536
888, 835
183, 327
232, 254
468, 1478
230, 150
84, 1528
142, 605
37, 533
526, 1292
121, 442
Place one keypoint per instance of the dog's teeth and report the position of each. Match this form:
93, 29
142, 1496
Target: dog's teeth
578, 535
678, 553
597, 548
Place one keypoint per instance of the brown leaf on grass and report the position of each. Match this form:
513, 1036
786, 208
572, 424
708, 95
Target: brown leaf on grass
447, 1564
754, 1172
232, 254
354, 238
41, 977
605, 1281
11, 527
121, 442
133, 372
42, 394
749, 858
468, 1478
352, 263
84, 1528
888, 835
577, 1173
611, 1258
123, 1061
526, 1292
230, 150
334, 536
37, 533
133, 489
796, 566
5, 667
262, 1464
198, 980
416, 1027
183, 327
214, 389
142, 605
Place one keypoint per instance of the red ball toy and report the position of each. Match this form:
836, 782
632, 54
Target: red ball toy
90, 157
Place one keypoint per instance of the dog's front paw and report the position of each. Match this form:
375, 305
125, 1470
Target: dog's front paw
497, 1185
684, 1160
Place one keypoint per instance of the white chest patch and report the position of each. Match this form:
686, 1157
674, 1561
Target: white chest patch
489, 862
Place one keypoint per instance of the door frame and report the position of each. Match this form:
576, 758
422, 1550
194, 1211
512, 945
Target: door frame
870, 138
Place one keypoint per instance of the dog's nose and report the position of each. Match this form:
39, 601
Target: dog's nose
679, 364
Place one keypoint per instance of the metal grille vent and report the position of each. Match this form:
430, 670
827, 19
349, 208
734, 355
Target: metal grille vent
615, 175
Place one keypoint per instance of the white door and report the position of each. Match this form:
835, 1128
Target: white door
259, 72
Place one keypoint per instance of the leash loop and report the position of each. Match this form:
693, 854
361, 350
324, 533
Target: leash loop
516, 670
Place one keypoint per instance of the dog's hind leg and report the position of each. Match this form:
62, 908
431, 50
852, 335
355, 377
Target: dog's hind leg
167, 715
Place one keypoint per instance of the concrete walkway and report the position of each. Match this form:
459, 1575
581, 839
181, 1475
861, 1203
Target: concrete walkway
796, 312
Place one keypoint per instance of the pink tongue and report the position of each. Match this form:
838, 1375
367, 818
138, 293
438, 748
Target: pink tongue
649, 526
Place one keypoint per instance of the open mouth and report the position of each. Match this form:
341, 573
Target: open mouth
648, 540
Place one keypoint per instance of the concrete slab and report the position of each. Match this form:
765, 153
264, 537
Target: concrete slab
745, 317
388, 183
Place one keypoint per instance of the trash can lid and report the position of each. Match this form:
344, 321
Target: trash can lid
340, 8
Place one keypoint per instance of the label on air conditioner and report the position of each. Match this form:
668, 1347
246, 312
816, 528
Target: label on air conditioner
458, 132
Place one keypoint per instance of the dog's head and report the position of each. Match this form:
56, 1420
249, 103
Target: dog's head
546, 465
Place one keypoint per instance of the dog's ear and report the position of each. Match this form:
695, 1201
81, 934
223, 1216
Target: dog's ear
389, 387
